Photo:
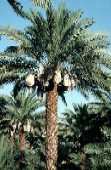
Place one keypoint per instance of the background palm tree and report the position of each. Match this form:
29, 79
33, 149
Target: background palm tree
61, 43
98, 151
86, 141
21, 112
33, 157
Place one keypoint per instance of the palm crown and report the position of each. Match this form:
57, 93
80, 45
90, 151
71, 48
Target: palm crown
22, 108
59, 41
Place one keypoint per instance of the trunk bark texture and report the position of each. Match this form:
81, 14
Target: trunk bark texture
21, 140
11, 144
51, 129
83, 158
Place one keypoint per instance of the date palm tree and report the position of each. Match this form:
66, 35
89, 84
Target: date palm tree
87, 136
21, 112
67, 54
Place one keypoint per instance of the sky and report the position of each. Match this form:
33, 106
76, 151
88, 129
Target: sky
100, 10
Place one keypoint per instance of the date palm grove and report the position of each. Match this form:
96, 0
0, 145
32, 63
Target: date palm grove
55, 54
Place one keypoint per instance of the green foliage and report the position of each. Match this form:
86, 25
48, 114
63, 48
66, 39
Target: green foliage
13, 66
6, 159
45, 4
24, 106
4, 120
87, 137
18, 8
7, 77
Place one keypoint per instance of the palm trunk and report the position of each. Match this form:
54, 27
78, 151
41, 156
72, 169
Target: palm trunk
21, 140
11, 144
83, 158
51, 129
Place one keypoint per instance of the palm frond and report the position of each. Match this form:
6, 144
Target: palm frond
45, 4
18, 8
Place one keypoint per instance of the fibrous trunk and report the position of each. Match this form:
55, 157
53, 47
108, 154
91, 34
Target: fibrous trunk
51, 129
21, 140
11, 143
